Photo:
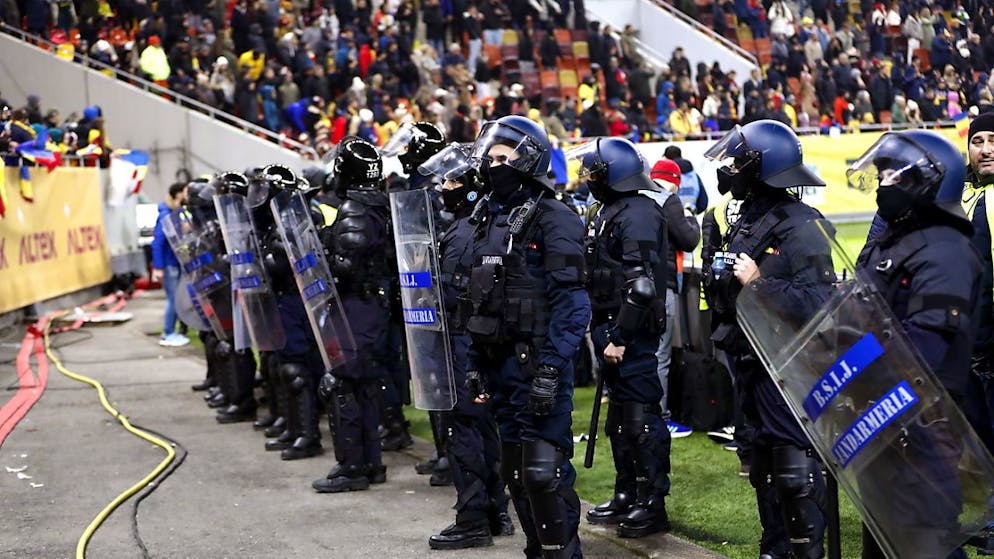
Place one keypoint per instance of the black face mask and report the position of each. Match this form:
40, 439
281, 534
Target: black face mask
599, 188
455, 199
894, 203
503, 180
739, 184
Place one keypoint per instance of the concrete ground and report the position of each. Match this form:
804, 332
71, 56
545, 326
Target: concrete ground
68, 459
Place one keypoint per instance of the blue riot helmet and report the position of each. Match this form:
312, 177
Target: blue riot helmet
527, 153
611, 165
767, 151
909, 171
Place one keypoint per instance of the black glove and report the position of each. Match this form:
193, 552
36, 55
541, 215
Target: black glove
545, 384
476, 385
326, 387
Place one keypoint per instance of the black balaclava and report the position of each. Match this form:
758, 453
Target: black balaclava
502, 180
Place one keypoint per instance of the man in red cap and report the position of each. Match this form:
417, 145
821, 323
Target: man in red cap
684, 233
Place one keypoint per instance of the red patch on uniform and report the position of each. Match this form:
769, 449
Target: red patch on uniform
776, 251
905, 282
533, 245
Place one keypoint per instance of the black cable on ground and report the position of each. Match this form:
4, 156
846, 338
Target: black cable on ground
181, 454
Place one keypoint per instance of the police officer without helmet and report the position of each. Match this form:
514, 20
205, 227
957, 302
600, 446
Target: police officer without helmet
765, 162
527, 313
626, 250
927, 271
979, 404
358, 245
470, 442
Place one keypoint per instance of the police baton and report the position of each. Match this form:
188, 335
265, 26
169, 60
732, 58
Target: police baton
595, 414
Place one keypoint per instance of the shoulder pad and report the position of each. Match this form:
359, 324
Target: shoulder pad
351, 208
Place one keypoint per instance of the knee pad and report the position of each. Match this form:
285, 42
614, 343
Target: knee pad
612, 425
295, 376
540, 467
795, 472
761, 470
634, 426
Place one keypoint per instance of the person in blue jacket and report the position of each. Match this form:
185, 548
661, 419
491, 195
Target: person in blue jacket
165, 267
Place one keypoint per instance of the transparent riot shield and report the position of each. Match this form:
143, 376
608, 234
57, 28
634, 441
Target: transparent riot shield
248, 276
317, 286
878, 416
199, 252
428, 346
188, 307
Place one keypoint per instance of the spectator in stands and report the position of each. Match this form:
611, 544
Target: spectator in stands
679, 65
165, 267
33, 109
685, 121
781, 19
881, 91
153, 62
38, 14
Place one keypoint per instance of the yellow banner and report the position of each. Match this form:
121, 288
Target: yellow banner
56, 244
831, 157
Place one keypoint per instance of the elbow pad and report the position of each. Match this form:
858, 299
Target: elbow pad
636, 308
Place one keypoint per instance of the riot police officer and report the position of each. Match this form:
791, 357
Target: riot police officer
412, 144
627, 246
762, 162
359, 244
300, 366
924, 265
240, 388
469, 438
526, 311
217, 350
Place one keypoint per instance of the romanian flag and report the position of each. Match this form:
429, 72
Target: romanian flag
962, 124
128, 168
39, 156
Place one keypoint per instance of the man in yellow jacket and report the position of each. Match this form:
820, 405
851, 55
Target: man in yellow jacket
154, 62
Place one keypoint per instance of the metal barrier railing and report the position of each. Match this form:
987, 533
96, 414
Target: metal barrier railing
814, 131
723, 41
213, 113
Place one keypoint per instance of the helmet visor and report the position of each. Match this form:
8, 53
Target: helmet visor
397, 144
730, 146
587, 157
520, 151
448, 164
893, 161
258, 191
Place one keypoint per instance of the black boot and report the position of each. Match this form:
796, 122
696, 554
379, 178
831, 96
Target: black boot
204, 385
236, 413
613, 511
428, 466
277, 427
267, 370
646, 517
218, 401
243, 404
462, 536
441, 476
341, 479
282, 441
500, 523
308, 443
212, 392
396, 437
376, 474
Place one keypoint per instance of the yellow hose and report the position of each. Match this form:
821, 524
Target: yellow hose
84, 540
